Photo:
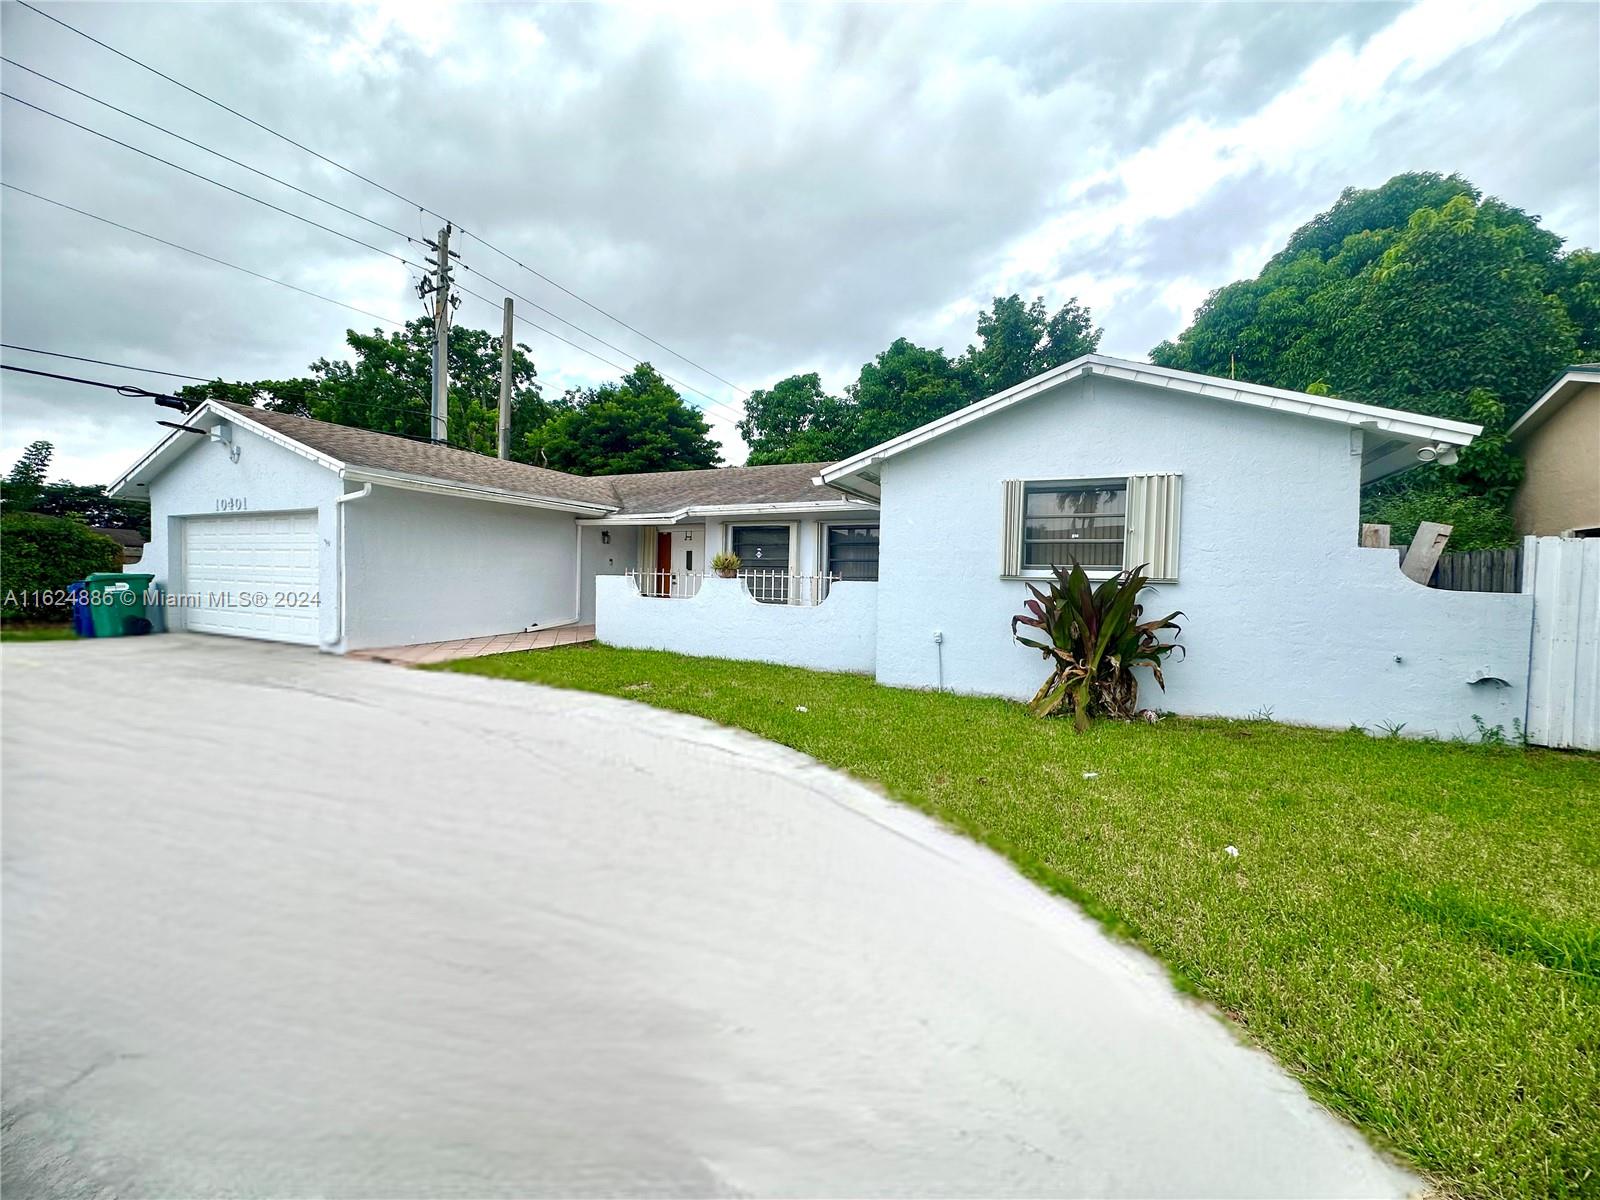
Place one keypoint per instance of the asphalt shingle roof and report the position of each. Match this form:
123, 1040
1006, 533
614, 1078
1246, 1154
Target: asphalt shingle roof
669, 491
385, 452
654, 492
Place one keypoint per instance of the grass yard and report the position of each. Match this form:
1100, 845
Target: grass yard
11, 631
1412, 928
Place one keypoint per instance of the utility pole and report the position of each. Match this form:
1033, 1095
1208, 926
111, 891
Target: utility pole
505, 382
443, 304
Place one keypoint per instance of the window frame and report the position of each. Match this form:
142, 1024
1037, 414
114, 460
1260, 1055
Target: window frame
1089, 481
825, 558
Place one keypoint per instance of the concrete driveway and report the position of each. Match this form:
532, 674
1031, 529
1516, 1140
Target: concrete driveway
281, 924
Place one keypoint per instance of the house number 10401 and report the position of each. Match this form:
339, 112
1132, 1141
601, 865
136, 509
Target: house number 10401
231, 504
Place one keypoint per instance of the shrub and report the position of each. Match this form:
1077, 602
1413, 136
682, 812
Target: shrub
725, 563
1476, 522
44, 554
1096, 639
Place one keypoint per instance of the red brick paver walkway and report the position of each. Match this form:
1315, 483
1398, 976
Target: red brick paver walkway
500, 643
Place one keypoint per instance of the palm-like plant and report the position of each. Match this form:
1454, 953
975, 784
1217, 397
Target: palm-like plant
1094, 637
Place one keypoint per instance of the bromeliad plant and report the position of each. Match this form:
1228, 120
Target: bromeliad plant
1093, 638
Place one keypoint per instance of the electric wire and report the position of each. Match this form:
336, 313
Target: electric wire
214, 182
418, 205
102, 362
210, 150
221, 262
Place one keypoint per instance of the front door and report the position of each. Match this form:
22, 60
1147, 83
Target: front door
661, 585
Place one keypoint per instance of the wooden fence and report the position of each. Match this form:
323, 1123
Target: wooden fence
1477, 570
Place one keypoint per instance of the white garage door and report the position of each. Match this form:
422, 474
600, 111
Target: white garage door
252, 576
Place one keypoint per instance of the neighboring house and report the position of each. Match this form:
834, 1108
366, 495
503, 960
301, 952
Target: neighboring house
1559, 438
129, 541
1243, 499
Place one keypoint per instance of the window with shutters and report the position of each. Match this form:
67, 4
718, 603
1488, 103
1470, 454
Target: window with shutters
1103, 525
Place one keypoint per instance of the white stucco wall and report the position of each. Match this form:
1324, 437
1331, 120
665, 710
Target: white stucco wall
267, 478
722, 621
1283, 611
617, 557
427, 568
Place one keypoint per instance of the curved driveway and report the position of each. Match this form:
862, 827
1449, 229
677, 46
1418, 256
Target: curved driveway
281, 924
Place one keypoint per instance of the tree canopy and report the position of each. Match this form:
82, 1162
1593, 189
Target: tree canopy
1420, 294
639, 424
907, 385
25, 489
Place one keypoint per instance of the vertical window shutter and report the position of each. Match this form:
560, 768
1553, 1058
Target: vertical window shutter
1011, 528
1154, 505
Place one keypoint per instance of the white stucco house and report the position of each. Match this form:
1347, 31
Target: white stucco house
906, 561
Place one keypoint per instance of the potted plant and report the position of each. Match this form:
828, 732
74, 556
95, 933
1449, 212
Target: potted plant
726, 565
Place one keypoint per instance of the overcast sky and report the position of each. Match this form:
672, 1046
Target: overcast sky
766, 190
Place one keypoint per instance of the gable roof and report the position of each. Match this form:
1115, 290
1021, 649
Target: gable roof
1566, 385
1402, 431
365, 456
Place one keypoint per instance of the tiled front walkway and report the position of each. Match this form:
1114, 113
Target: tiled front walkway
500, 643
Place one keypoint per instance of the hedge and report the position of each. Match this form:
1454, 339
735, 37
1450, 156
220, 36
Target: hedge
40, 556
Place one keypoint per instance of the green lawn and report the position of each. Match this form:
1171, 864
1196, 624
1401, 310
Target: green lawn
20, 632
1412, 928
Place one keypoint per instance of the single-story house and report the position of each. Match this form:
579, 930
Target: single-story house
906, 561
1559, 439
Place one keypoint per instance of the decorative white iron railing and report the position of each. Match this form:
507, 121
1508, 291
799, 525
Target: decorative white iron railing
667, 585
765, 587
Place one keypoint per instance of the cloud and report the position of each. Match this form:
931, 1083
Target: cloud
767, 189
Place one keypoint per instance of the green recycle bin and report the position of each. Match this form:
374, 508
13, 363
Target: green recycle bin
116, 603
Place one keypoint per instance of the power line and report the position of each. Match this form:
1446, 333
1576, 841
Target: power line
103, 362
221, 262
389, 191
214, 182
487, 279
608, 345
233, 111
609, 316
122, 389
209, 150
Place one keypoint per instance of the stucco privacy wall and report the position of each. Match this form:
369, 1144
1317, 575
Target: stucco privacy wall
427, 568
722, 621
267, 478
1283, 611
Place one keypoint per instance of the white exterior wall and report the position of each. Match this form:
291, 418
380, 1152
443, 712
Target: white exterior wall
599, 558
722, 621
267, 478
1284, 612
426, 568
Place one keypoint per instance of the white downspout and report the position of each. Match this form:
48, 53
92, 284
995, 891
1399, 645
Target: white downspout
340, 501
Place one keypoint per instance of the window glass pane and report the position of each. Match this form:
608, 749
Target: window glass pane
1074, 523
853, 551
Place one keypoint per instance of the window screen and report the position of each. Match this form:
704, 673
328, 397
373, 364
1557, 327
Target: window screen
853, 552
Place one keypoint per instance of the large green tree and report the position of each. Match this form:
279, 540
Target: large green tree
795, 421
386, 387
1421, 294
1018, 340
639, 424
